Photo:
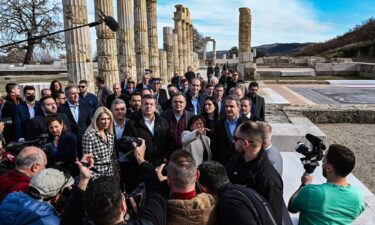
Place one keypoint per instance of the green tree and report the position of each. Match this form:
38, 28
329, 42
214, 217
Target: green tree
24, 19
233, 51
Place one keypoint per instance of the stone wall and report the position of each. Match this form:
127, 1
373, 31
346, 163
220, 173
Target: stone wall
334, 113
334, 69
366, 70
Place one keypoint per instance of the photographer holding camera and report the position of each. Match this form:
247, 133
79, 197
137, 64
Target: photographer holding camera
334, 202
104, 203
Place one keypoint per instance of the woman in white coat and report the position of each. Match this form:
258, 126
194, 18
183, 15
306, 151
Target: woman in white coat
195, 141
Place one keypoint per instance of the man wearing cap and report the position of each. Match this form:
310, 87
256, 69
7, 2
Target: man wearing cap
35, 206
159, 93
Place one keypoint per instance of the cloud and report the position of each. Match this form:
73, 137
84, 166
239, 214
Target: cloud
272, 20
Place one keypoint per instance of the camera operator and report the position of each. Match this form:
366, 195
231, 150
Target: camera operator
29, 162
334, 202
104, 203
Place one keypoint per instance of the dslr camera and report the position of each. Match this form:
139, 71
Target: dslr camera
313, 155
128, 144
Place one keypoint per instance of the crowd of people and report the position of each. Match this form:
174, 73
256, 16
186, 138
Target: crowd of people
199, 152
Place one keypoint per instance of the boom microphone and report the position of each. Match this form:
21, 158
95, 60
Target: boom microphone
108, 20
111, 23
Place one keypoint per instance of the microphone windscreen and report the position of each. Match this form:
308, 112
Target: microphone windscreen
111, 23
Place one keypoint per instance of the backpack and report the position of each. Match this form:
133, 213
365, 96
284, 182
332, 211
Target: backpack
257, 205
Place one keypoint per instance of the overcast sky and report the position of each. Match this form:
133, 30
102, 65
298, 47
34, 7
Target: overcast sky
282, 21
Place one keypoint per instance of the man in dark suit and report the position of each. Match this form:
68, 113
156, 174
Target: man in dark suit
172, 91
189, 75
86, 97
195, 99
177, 119
220, 99
159, 93
117, 94
25, 111
9, 110
247, 111
257, 100
37, 125
222, 146
118, 109
78, 114
145, 82
148, 125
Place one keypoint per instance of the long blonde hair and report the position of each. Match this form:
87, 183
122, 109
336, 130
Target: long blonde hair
94, 122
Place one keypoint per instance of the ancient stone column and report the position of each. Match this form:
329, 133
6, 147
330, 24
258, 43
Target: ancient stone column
184, 41
125, 36
153, 37
178, 30
204, 51
191, 47
169, 48
176, 61
141, 37
195, 61
187, 25
77, 42
213, 52
163, 65
106, 45
245, 66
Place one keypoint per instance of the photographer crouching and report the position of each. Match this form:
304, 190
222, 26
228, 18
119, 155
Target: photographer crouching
104, 202
334, 202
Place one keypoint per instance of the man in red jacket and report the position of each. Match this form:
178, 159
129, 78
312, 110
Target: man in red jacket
29, 162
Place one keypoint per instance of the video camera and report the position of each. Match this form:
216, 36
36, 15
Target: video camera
312, 156
40, 142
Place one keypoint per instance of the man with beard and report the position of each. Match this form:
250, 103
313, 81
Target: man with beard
257, 100
135, 104
334, 202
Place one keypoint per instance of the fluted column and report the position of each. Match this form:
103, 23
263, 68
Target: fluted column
192, 42
77, 43
141, 37
204, 51
213, 52
176, 61
178, 30
153, 37
125, 36
163, 65
169, 48
184, 46
106, 45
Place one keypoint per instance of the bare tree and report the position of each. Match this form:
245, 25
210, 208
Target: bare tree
24, 19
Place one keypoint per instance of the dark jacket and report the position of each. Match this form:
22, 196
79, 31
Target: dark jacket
19, 208
12, 180
156, 145
38, 126
154, 211
221, 142
259, 106
189, 76
235, 206
84, 119
189, 104
66, 152
9, 110
140, 86
91, 100
162, 97
260, 175
22, 118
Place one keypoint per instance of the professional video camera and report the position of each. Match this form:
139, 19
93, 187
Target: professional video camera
7, 121
128, 144
41, 142
312, 156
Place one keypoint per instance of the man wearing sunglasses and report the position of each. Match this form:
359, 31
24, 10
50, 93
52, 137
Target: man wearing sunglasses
251, 167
